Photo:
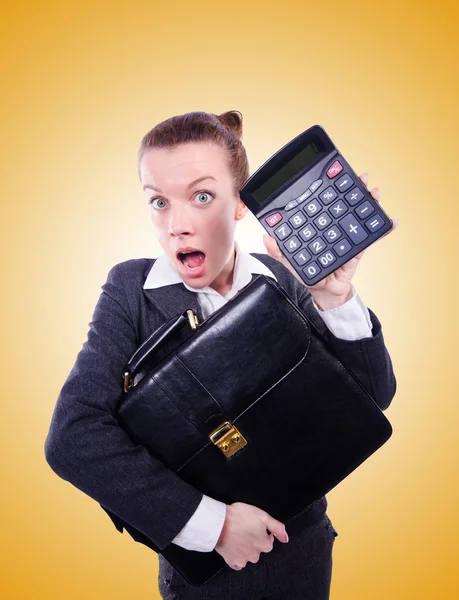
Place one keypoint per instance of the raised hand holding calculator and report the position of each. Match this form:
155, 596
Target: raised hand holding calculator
311, 202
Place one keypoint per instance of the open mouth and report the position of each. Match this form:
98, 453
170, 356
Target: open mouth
193, 259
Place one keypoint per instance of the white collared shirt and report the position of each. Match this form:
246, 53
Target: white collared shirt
350, 321
163, 273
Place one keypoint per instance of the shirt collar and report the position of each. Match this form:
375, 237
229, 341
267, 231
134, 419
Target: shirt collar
163, 273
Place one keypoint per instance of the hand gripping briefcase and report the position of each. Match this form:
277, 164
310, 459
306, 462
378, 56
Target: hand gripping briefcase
252, 405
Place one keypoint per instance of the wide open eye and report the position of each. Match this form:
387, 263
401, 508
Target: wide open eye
204, 197
152, 202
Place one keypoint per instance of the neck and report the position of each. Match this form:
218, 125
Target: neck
224, 282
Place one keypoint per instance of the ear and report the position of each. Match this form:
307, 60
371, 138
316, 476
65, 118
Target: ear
241, 210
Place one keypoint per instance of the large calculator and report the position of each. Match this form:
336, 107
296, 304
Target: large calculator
311, 201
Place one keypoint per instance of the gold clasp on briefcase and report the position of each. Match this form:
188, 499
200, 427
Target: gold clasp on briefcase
228, 439
192, 318
127, 381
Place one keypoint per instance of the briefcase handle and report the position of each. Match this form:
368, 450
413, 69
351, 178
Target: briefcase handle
165, 336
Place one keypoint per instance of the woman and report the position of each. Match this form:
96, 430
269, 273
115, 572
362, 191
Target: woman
191, 168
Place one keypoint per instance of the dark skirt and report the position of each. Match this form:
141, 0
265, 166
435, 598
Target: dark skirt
299, 569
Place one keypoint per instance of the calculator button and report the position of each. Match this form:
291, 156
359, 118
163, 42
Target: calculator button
291, 205
327, 259
302, 257
304, 196
317, 245
322, 221
293, 244
273, 219
338, 209
344, 183
283, 231
333, 234
328, 195
315, 185
297, 220
364, 210
308, 233
335, 169
375, 223
342, 247
313, 208
312, 270
354, 229
354, 196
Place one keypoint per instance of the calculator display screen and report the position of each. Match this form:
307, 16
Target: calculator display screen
296, 164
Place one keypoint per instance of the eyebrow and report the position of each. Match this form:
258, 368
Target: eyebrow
190, 185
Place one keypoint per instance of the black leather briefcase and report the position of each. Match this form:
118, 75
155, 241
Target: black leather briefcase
252, 405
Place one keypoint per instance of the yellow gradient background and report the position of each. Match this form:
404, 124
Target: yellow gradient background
81, 84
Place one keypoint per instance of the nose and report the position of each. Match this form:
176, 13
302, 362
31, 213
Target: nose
179, 222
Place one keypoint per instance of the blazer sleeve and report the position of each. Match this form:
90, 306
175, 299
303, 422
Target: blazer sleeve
86, 445
367, 358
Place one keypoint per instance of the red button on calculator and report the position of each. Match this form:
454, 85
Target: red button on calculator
335, 169
273, 219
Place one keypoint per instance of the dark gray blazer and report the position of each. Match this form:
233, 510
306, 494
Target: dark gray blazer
85, 444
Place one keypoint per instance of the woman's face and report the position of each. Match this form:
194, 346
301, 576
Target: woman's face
194, 206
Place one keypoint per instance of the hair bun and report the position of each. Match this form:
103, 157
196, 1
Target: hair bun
232, 120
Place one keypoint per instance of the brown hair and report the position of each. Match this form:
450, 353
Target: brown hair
224, 129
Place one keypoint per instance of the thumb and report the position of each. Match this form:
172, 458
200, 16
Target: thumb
276, 528
272, 247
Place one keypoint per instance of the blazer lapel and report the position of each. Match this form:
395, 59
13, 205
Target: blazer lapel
172, 300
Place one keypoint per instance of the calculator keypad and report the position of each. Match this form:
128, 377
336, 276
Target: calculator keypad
354, 229
335, 169
339, 209
304, 196
307, 233
333, 234
354, 196
302, 257
375, 223
283, 231
327, 259
330, 222
322, 221
328, 195
313, 208
364, 210
312, 270
291, 205
273, 219
344, 182
297, 220
315, 185
342, 247
317, 245
293, 244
